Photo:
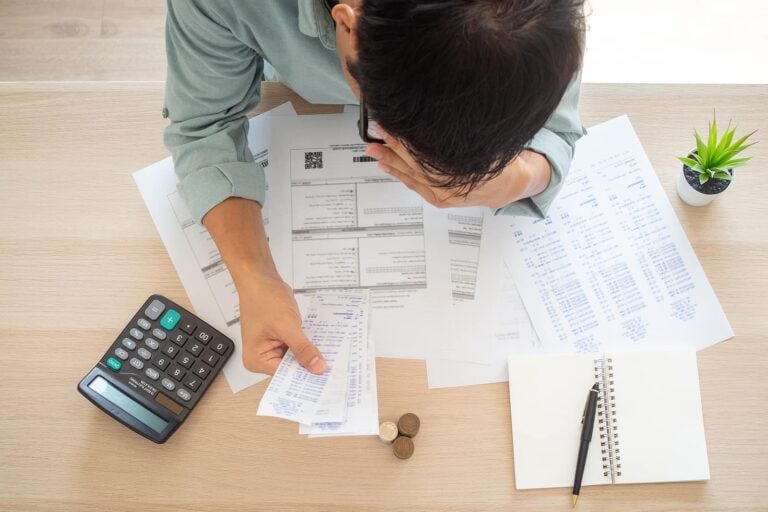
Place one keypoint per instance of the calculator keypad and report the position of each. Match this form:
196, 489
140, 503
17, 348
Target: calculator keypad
166, 350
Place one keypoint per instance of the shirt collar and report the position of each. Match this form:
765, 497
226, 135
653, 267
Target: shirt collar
316, 21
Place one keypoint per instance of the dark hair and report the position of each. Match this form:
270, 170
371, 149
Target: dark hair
466, 84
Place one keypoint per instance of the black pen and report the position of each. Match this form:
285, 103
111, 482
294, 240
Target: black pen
587, 424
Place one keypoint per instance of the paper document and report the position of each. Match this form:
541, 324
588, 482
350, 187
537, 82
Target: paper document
337, 324
351, 226
610, 268
495, 320
465, 228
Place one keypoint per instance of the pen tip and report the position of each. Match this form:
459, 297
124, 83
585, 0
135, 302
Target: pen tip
575, 498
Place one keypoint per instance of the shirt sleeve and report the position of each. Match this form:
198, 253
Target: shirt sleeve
556, 141
213, 80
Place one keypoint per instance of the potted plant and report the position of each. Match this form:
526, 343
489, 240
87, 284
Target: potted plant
708, 169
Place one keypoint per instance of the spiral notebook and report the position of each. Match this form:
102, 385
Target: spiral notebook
649, 425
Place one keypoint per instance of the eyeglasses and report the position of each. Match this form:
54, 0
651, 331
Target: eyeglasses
366, 125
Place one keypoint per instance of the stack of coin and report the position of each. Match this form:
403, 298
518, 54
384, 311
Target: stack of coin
401, 434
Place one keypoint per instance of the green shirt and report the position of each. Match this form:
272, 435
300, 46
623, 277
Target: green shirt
216, 53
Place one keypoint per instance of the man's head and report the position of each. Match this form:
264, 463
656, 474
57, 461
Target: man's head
465, 84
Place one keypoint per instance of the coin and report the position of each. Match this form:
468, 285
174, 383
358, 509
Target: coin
403, 447
388, 432
408, 424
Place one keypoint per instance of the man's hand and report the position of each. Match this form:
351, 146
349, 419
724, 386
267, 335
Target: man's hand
525, 176
269, 317
271, 324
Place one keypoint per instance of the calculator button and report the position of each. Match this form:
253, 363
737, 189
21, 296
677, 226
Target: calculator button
210, 357
144, 354
151, 343
161, 362
184, 394
171, 350
136, 334
121, 353
186, 361
200, 370
170, 319
187, 327
195, 347
219, 347
128, 343
144, 323
159, 334
168, 384
176, 371
204, 336
136, 363
192, 382
114, 364
179, 339
154, 310
152, 373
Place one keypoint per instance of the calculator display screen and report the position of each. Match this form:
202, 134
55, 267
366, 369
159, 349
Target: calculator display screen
138, 411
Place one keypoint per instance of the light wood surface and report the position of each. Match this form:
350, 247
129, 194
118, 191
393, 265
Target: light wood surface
79, 252
105, 40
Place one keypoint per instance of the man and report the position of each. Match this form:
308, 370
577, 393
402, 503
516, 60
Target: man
477, 101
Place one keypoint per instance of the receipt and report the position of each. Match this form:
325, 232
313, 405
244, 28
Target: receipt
332, 321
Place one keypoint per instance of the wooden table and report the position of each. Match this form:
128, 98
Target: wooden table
79, 252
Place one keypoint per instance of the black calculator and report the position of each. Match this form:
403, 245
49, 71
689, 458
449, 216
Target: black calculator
157, 369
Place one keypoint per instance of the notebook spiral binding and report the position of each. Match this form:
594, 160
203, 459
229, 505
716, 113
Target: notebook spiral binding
606, 419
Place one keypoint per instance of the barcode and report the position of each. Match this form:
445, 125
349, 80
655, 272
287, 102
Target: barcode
313, 160
363, 159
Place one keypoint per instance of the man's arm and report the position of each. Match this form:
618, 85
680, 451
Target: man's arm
549, 156
269, 317
213, 81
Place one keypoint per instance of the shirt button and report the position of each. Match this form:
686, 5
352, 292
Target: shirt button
165, 113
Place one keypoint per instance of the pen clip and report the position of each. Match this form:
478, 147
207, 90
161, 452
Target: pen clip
584, 412
586, 404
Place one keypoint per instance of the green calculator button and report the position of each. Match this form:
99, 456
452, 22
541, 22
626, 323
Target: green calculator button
114, 364
170, 319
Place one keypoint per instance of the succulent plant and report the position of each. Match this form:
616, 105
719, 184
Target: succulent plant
714, 158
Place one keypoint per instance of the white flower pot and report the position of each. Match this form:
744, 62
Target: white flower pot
691, 196
694, 197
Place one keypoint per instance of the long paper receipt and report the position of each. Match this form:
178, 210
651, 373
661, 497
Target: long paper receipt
337, 324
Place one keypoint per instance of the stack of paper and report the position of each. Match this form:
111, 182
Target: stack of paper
609, 269
342, 401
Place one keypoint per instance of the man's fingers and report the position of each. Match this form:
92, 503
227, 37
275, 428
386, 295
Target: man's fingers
399, 149
266, 360
307, 354
407, 180
388, 157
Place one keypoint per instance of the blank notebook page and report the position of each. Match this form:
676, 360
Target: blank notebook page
547, 396
659, 419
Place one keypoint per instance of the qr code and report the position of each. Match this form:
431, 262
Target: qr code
313, 160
